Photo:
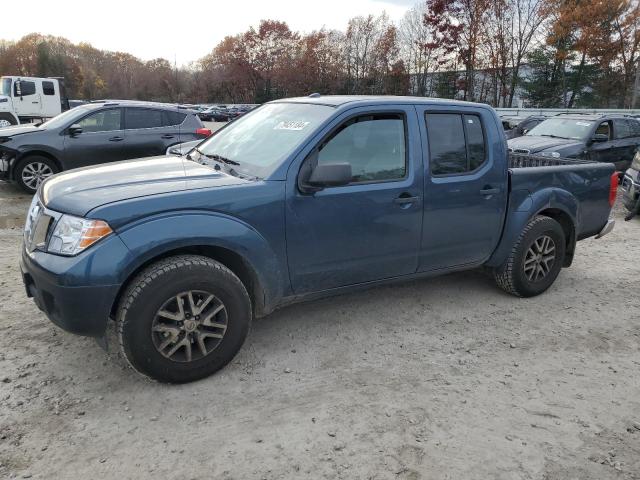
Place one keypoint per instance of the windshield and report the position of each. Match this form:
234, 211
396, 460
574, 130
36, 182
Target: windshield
5, 87
63, 118
562, 128
257, 142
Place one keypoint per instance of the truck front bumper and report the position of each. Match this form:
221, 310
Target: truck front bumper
65, 288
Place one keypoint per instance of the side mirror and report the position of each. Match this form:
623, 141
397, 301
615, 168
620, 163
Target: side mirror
330, 175
75, 130
600, 137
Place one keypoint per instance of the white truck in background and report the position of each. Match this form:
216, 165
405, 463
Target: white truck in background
25, 99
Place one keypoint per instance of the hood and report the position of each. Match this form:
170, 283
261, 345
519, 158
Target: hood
535, 144
8, 132
81, 190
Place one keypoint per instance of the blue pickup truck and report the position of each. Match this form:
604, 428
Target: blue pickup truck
298, 199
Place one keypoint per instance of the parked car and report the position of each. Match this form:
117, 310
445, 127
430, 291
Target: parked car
631, 185
214, 114
183, 148
524, 125
24, 99
603, 138
301, 198
92, 134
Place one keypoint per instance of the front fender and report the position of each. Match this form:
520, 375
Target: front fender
155, 236
523, 207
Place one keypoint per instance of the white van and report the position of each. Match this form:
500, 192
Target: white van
24, 99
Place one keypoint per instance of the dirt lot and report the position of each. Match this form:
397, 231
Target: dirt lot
446, 378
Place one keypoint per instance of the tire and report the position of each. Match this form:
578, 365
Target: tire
31, 171
142, 330
7, 120
528, 272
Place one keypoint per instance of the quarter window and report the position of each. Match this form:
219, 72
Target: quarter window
374, 145
456, 143
142, 118
172, 118
103, 121
48, 88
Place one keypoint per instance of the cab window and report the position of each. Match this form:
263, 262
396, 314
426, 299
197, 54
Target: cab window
456, 143
374, 145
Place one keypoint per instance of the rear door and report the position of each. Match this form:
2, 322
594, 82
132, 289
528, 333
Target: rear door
101, 140
465, 186
146, 133
626, 142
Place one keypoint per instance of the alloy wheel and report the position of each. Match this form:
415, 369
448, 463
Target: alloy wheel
540, 258
34, 173
189, 326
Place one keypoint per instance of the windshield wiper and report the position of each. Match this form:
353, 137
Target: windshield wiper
220, 158
553, 136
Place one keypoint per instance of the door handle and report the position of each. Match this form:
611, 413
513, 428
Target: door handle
167, 136
116, 139
403, 200
35, 103
489, 191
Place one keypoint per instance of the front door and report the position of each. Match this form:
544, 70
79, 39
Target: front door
465, 187
26, 99
367, 230
101, 140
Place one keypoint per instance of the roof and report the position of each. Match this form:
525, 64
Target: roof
590, 116
137, 103
340, 100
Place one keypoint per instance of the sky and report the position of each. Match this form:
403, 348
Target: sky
183, 30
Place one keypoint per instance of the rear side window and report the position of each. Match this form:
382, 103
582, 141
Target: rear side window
142, 118
635, 127
172, 118
622, 128
48, 88
456, 143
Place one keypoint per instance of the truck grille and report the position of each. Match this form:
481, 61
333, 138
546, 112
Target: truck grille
36, 227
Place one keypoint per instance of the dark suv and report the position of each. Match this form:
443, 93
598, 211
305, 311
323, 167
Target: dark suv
603, 138
92, 134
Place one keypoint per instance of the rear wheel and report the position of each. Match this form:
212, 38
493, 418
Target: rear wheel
33, 170
535, 260
183, 318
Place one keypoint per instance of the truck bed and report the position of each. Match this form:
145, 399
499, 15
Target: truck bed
581, 185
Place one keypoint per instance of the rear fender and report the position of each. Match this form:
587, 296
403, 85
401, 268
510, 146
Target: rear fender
523, 207
156, 236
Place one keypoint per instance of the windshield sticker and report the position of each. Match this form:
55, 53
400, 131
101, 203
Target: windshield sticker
291, 125
583, 124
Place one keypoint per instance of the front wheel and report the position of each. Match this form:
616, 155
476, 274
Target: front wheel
183, 318
535, 260
33, 170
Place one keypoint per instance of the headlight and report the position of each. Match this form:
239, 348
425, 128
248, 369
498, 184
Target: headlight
551, 154
72, 235
636, 161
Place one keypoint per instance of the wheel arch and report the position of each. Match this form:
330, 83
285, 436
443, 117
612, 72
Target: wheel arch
34, 153
235, 262
569, 228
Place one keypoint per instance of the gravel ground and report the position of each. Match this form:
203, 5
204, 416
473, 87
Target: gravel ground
447, 378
